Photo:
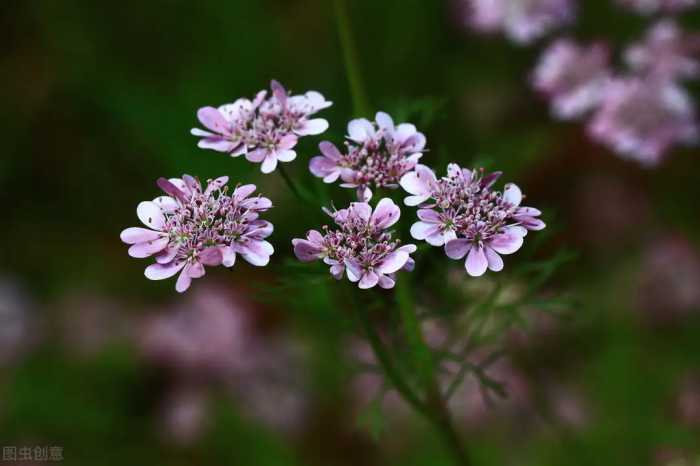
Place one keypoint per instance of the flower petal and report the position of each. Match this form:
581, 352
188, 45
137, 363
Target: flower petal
506, 243
385, 214
476, 263
184, 280
330, 150
147, 249
495, 261
360, 130
211, 256
306, 251
286, 155
512, 194
150, 215
422, 230
269, 164
457, 248
163, 271
312, 127
386, 282
393, 262
368, 280
135, 235
212, 119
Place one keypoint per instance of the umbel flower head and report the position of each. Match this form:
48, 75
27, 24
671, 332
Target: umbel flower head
641, 119
522, 21
191, 228
463, 213
572, 77
667, 52
265, 129
360, 246
376, 155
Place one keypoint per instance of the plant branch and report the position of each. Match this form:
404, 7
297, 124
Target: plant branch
352, 68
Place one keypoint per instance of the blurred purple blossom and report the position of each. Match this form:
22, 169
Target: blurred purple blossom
668, 283
572, 77
191, 228
667, 52
648, 7
522, 21
377, 155
18, 324
641, 119
265, 129
361, 246
464, 214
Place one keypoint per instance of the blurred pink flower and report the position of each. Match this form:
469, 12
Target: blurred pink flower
670, 274
361, 246
265, 129
192, 228
666, 52
522, 21
572, 77
688, 401
641, 119
377, 155
463, 213
648, 7
18, 324
184, 414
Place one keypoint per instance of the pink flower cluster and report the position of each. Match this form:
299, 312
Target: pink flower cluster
639, 114
265, 129
360, 246
522, 21
377, 155
191, 228
463, 213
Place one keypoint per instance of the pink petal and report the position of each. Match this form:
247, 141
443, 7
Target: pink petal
506, 243
257, 155
384, 121
286, 155
429, 215
495, 261
196, 270
269, 164
163, 271
170, 188
312, 127
353, 269
150, 214
368, 280
386, 282
385, 214
216, 184
476, 263
512, 194
147, 249
418, 182
135, 235
212, 119
211, 256
287, 142
457, 248
361, 210
330, 150
360, 130
279, 92
256, 203
315, 237
421, 230
306, 251
393, 262
337, 271
257, 252
184, 280
167, 255
243, 191
166, 203
228, 256
218, 144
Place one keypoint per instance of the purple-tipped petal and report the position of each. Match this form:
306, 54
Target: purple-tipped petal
506, 243
184, 280
393, 262
306, 251
495, 261
171, 189
147, 249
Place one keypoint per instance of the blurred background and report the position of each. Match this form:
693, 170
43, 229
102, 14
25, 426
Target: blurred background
256, 366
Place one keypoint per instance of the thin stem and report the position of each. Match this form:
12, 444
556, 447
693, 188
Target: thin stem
352, 68
290, 184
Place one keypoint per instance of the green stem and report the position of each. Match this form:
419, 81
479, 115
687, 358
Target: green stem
290, 184
352, 68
